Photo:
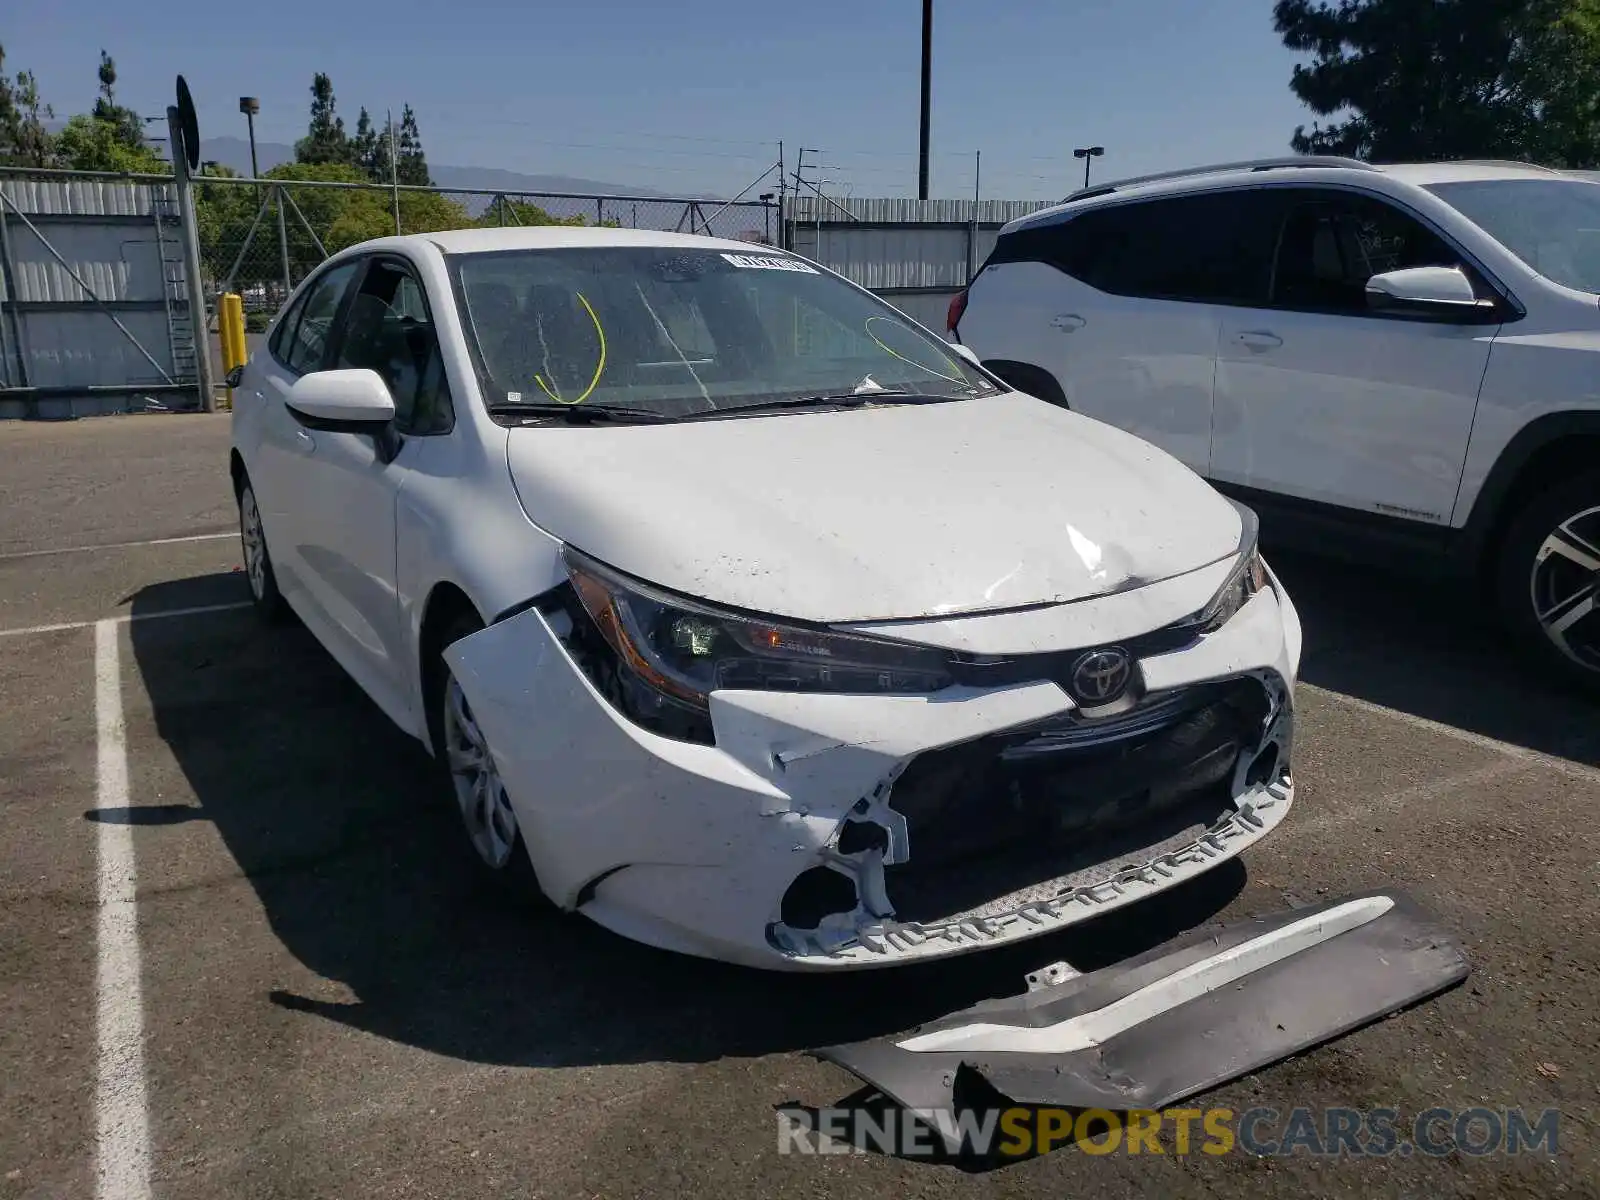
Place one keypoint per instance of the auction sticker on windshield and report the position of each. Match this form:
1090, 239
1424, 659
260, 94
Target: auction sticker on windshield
761, 262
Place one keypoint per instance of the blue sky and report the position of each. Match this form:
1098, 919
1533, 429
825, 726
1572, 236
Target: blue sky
691, 96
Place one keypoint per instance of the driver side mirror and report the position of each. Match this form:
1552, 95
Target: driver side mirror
351, 400
1441, 292
967, 353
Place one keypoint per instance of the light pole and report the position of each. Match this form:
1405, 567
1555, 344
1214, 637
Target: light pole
1088, 153
250, 106
766, 215
927, 82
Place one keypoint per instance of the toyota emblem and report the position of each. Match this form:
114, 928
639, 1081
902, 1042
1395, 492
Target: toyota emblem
1101, 676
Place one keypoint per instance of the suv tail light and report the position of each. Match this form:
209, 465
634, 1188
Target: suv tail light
958, 306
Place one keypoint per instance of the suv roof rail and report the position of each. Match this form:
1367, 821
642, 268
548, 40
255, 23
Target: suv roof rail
1253, 164
1499, 162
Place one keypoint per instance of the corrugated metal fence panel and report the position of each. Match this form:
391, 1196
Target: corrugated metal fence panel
910, 212
878, 258
84, 197
925, 308
82, 348
118, 262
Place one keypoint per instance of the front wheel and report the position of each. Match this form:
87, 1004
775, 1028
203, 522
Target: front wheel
1549, 579
474, 781
264, 594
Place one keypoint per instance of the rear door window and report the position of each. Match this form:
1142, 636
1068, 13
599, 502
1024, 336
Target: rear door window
1213, 247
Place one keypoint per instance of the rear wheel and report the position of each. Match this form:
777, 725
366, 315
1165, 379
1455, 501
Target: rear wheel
1549, 579
473, 780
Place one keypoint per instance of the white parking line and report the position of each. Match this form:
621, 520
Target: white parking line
169, 541
126, 617
122, 1120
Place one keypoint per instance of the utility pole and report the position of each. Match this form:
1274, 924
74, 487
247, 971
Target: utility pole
927, 83
394, 170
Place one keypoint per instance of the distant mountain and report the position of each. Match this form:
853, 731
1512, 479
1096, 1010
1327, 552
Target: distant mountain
235, 153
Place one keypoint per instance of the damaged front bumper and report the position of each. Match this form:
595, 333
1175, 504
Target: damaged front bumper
838, 831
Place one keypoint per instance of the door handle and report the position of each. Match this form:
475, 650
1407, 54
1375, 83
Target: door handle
1259, 339
1067, 322
304, 442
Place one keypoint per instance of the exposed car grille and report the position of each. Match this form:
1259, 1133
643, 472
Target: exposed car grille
996, 816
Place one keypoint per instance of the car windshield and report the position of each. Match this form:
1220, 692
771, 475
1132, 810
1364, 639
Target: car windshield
1553, 225
681, 331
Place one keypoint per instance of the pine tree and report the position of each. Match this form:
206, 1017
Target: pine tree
126, 129
1443, 79
364, 148
411, 162
325, 141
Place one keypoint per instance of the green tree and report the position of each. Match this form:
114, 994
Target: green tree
411, 164
125, 123
1443, 79
89, 144
325, 142
340, 217
504, 211
25, 141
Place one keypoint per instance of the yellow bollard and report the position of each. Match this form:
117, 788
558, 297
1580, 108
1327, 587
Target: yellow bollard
230, 331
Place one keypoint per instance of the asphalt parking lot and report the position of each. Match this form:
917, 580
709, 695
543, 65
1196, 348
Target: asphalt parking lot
329, 1007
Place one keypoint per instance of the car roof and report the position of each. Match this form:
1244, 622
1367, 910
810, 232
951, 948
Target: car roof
550, 237
1309, 169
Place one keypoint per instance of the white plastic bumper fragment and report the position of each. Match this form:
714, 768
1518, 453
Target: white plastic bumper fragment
1149, 1032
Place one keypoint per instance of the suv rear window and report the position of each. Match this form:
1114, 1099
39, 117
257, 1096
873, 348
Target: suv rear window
1212, 247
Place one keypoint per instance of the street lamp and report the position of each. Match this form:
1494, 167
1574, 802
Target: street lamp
1087, 153
250, 106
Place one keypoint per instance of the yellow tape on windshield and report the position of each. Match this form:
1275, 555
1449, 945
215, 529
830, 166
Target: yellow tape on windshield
599, 367
882, 345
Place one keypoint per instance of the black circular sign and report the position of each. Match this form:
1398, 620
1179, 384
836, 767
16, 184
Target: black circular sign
188, 126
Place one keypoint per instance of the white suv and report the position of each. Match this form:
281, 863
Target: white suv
1397, 362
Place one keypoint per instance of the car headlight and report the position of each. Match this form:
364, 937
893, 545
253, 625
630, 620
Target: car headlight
686, 649
1248, 577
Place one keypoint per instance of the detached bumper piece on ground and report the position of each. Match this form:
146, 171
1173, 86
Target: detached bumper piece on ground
1174, 1022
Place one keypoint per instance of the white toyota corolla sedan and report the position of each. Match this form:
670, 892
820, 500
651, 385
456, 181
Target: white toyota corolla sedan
747, 617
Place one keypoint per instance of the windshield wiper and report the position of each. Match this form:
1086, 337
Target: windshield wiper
580, 414
821, 403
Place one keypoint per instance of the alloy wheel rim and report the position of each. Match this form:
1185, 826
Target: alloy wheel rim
485, 807
255, 545
1565, 587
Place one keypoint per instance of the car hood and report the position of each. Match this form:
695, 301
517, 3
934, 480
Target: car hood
876, 513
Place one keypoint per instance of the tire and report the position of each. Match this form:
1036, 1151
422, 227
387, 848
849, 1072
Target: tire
494, 841
264, 595
1547, 580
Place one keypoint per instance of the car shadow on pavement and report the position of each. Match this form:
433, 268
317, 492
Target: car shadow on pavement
1430, 647
357, 856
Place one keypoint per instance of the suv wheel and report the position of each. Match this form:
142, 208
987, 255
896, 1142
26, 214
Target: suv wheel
1549, 579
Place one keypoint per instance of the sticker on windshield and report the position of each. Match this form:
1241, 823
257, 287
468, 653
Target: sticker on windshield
763, 262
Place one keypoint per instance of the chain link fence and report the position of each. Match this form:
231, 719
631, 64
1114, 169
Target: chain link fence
260, 238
